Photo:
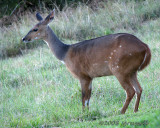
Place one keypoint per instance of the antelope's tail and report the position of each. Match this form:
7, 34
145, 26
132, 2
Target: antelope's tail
147, 59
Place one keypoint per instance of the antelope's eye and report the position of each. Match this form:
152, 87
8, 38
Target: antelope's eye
35, 30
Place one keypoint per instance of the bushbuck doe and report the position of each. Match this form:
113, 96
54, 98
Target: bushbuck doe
121, 55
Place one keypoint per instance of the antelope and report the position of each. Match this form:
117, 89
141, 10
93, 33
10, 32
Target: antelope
121, 55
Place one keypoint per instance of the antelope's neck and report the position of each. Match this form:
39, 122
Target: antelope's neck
58, 48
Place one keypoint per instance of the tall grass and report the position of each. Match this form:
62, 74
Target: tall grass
83, 23
11, 37
36, 90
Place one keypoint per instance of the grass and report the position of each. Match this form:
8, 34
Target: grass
36, 90
82, 23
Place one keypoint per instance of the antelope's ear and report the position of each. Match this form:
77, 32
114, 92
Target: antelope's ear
39, 17
49, 18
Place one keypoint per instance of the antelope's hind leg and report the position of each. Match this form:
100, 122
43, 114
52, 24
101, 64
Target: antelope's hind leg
138, 90
130, 92
86, 86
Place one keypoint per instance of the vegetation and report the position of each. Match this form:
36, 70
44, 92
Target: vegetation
36, 90
10, 7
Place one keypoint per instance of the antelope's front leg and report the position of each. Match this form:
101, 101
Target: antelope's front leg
86, 86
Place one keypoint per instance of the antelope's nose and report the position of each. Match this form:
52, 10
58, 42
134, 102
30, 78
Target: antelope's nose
23, 39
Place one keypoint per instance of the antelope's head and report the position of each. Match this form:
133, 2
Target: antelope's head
39, 30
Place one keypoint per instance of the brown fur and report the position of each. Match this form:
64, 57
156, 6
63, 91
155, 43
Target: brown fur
121, 55
101, 56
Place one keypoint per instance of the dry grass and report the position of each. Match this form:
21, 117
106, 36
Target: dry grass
36, 90
82, 23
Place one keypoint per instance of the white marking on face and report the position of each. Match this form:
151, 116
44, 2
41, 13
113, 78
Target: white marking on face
120, 46
63, 62
25, 41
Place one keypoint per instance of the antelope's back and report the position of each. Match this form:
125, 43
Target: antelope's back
99, 56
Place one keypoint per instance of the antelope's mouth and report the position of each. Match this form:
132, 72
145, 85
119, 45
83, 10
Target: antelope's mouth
26, 41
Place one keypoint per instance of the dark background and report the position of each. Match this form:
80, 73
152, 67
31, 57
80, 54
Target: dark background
11, 7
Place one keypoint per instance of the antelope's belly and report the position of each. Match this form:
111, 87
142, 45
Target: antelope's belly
98, 70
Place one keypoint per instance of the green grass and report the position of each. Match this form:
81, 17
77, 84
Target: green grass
36, 90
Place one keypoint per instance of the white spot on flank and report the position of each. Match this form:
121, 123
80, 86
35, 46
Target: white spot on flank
95, 64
